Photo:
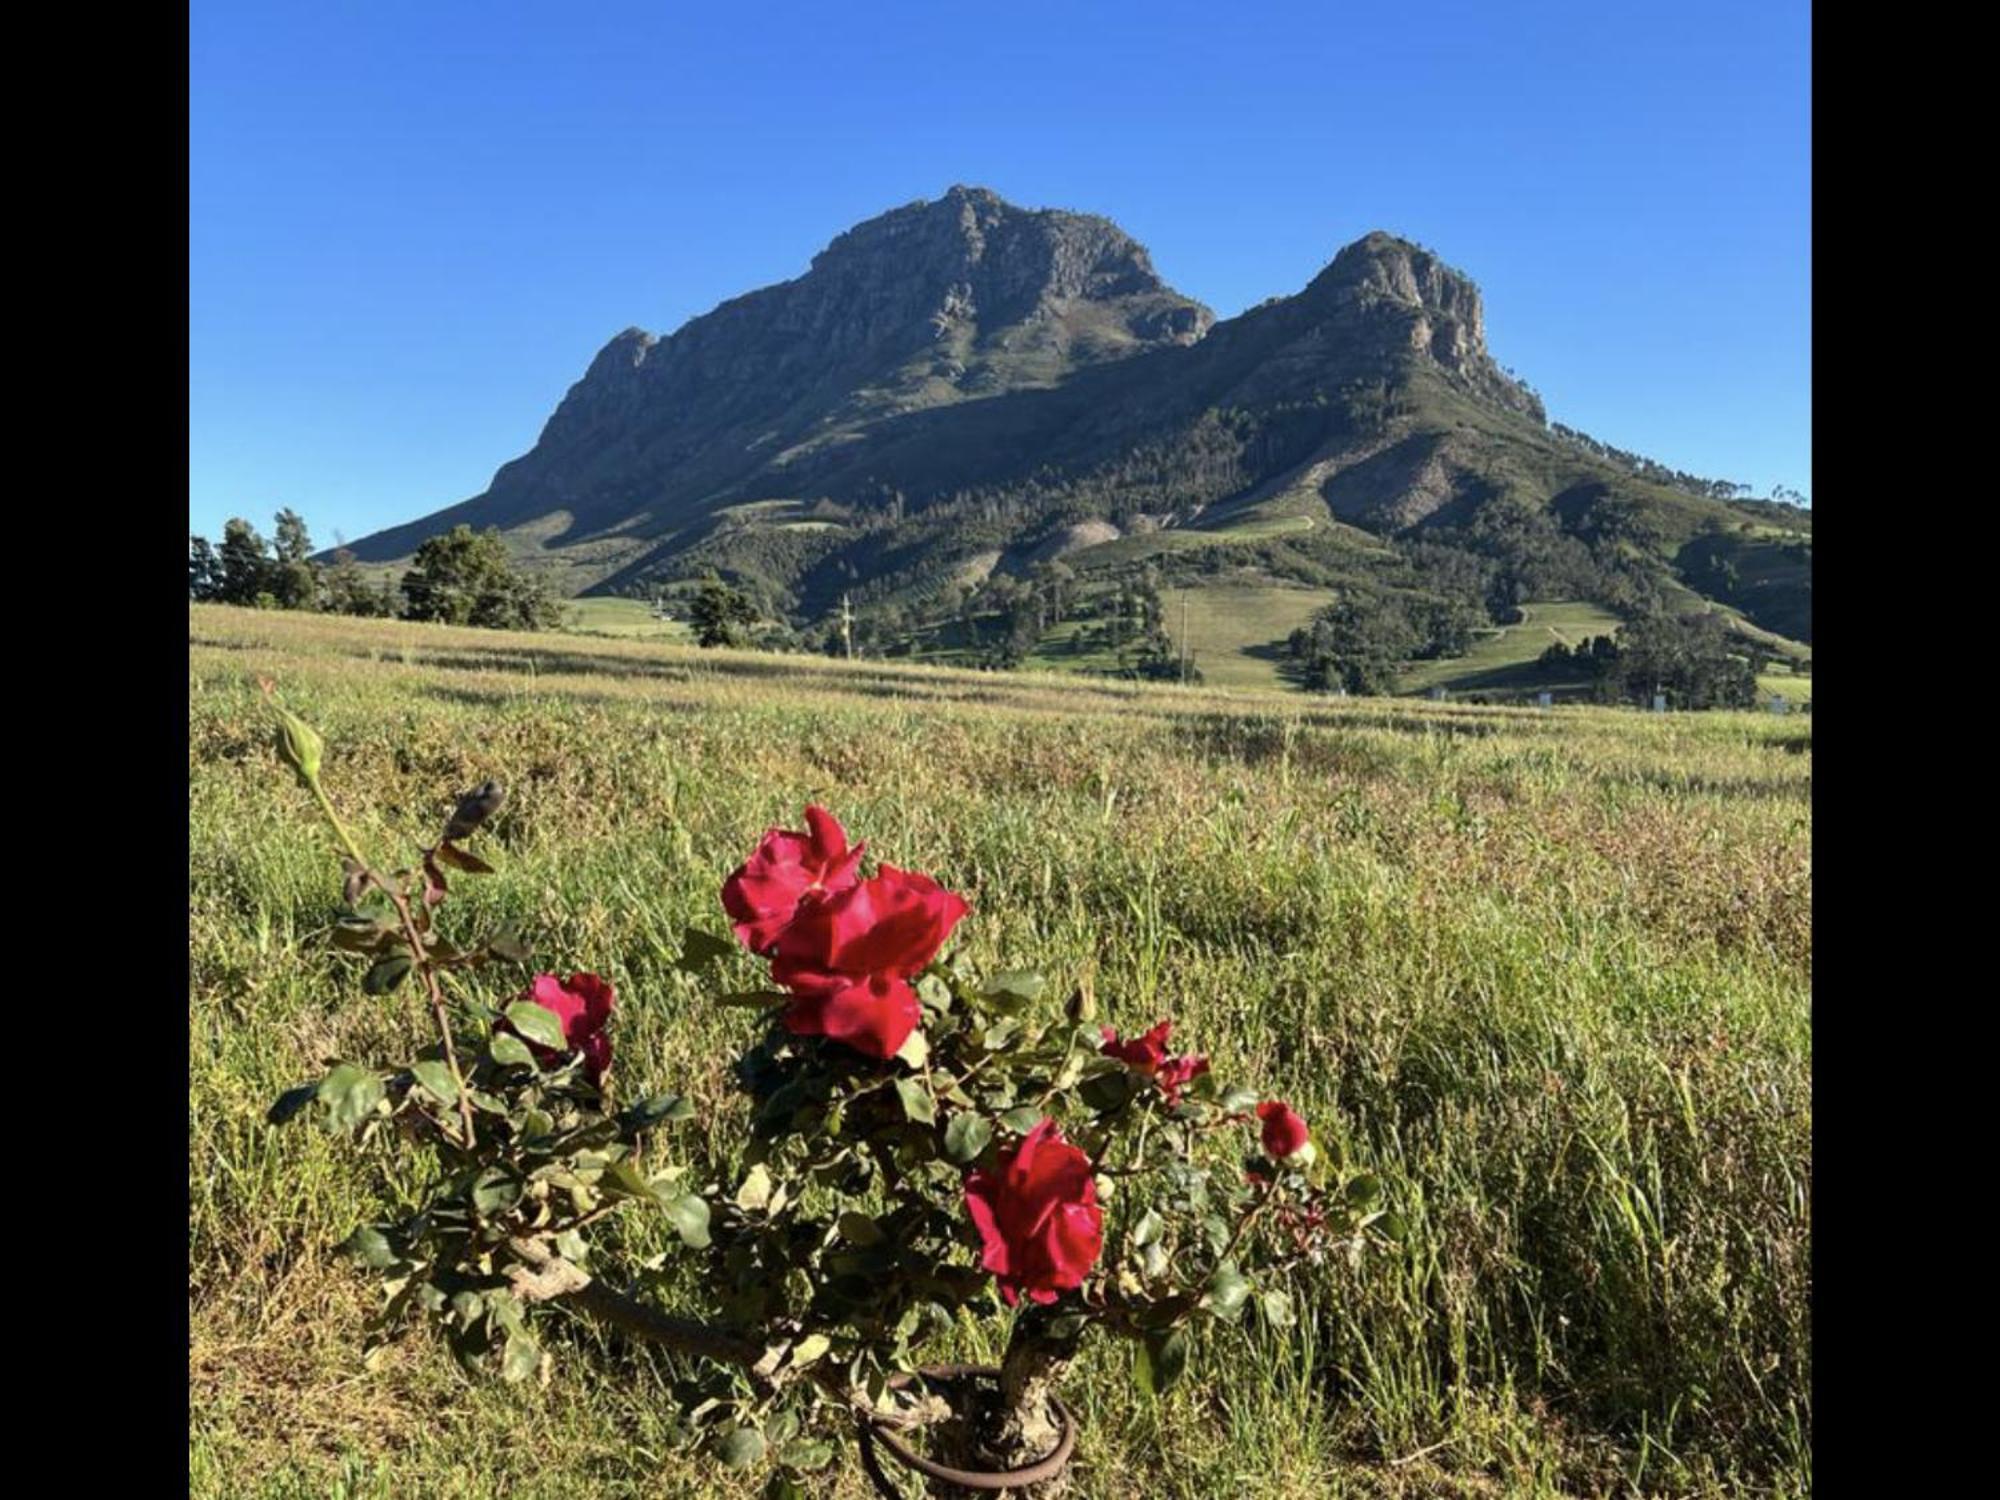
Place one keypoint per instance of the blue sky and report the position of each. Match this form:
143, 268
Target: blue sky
413, 225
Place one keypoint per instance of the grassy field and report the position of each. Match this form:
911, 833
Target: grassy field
1499, 659
1546, 974
622, 619
1237, 633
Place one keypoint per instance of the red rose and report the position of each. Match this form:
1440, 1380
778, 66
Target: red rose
764, 894
1176, 1073
1284, 1132
583, 1004
1037, 1216
1142, 1054
1148, 1055
848, 959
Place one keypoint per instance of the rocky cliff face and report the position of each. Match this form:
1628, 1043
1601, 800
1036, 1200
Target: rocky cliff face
1386, 290
927, 305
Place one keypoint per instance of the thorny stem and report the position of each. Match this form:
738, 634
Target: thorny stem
419, 955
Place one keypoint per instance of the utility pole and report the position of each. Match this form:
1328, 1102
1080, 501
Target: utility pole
847, 626
1184, 638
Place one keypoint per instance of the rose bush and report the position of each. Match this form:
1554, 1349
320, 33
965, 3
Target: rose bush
918, 1145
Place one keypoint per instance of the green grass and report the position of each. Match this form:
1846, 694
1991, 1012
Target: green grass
623, 619
1501, 660
1238, 632
1779, 681
1547, 976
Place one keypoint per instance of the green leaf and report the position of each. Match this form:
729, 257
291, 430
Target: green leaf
1161, 1359
1000, 1033
966, 1136
657, 1110
494, 1190
688, 1213
917, 1102
808, 1349
1148, 1229
1022, 1120
624, 1180
1365, 1190
700, 951
1277, 1307
1391, 1227
523, 1355
740, 1448
1226, 1290
858, 1229
1013, 991
361, 934
1216, 1229
436, 1079
756, 1190
1110, 1091
806, 1454
915, 1051
386, 973
537, 1025
509, 946
351, 1094
371, 1247
1239, 1101
782, 1486
571, 1247
509, 1050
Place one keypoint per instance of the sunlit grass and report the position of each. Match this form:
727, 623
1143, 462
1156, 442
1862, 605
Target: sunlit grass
1546, 973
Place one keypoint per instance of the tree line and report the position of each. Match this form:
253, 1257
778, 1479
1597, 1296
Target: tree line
461, 577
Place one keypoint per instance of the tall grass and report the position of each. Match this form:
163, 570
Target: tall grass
1546, 974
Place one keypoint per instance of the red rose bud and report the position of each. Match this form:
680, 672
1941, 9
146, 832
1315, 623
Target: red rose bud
1284, 1131
582, 1003
1037, 1217
848, 959
763, 896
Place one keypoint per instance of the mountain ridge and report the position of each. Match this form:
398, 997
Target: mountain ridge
1019, 372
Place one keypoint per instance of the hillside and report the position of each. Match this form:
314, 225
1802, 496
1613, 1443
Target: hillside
964, 390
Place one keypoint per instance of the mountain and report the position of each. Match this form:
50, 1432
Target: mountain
964, 389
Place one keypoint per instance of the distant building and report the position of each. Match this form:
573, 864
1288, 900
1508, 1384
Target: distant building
1659, 703
1544, 700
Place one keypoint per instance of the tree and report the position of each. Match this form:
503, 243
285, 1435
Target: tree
294, 578
1690, 659
1357, 643
721, 615
204, 570
246, 563
348, 591
463, 577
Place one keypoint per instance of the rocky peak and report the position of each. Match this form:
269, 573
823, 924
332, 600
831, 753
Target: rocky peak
971, 251
1389, 285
